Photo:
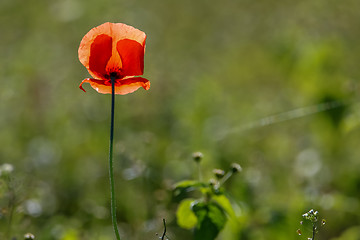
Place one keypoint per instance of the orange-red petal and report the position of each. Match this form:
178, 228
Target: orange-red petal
122, 87
117, 31
132, 57
100, 53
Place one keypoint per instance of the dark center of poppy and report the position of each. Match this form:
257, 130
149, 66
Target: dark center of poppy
114, 75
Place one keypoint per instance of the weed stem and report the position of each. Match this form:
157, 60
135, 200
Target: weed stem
164, 233
225, 178
199, 171
314, 231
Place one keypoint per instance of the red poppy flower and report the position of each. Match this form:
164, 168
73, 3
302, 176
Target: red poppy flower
114, 50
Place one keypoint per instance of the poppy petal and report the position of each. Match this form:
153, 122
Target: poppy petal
122, 87
130, 85
121, 31
93, 83
132, 57
117, 31
100, 53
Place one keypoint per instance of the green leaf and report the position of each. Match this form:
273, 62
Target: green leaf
185, 216
211, 220
224, 202
189, 183
187, 186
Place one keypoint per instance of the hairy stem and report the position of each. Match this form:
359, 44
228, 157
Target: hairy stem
111, 170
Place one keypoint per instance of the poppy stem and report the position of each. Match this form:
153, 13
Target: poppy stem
111, 170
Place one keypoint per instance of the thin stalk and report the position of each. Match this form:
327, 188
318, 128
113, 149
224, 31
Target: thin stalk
111, 170
199, 171
314, 231
11, 206
164, 233
225, 178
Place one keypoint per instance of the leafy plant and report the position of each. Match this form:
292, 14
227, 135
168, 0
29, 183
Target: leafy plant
207, 213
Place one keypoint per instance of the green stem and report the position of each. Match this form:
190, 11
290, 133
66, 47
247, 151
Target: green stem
111, 170
314, 231
199, 171
11, 206
225, 178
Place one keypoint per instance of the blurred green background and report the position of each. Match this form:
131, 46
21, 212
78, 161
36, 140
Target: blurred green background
220, 72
